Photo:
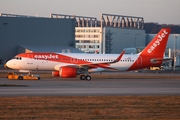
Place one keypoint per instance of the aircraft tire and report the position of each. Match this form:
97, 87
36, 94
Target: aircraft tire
20, 77
82, 77
88, 77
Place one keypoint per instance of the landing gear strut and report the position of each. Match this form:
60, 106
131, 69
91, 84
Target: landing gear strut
87, 77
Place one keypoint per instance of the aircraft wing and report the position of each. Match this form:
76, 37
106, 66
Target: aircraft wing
103, 64
90, 65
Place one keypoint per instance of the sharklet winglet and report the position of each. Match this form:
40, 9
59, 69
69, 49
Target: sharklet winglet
119, 57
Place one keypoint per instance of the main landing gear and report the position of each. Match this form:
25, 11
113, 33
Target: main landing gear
85, 77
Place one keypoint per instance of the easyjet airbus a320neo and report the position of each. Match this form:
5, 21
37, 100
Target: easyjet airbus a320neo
68, 65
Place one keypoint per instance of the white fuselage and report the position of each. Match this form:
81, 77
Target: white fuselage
52, 64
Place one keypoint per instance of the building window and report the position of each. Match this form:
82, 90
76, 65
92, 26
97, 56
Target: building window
96, 36
77, 41
96, 46
86, 30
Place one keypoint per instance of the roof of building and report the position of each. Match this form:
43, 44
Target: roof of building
51, 48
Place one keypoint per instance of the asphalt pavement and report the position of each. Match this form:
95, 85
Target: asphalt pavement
95, 87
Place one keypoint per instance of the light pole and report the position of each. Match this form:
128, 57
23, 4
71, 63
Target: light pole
174, 55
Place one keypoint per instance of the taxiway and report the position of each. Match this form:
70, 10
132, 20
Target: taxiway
95, 87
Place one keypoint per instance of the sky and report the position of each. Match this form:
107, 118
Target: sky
158, 11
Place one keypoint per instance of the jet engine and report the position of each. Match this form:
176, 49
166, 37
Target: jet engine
65, 72
55, 73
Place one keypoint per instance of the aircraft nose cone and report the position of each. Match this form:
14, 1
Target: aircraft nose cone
7, 65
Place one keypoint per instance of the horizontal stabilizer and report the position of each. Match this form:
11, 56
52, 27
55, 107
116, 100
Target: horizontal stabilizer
158, 60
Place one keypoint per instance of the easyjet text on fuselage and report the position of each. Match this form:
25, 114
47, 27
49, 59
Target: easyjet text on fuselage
50, 56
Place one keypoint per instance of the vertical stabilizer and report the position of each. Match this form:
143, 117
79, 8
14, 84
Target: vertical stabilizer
157, 46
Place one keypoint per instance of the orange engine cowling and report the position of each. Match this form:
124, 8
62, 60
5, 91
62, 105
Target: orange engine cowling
67, 72
55, 73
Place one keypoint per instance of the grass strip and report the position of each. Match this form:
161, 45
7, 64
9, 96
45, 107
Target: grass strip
91, 107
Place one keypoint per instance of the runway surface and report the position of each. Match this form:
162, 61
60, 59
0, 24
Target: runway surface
95, 87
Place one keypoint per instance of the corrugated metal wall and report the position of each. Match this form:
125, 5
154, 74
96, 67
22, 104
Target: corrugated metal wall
117, 39
16, 31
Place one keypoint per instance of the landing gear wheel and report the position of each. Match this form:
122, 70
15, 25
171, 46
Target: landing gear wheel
20, 77
88, 77
82, 77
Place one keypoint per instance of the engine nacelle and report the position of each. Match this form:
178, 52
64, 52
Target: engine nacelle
65, 72
55, 73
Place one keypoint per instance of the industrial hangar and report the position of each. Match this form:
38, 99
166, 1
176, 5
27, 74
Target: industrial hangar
26, 33
111, 34
70, 33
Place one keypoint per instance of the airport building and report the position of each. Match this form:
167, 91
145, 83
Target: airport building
111, 34
70, 33
19, 33
64, 33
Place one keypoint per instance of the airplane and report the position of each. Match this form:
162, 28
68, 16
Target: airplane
69, 65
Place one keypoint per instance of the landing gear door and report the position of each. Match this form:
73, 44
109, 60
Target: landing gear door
30, 59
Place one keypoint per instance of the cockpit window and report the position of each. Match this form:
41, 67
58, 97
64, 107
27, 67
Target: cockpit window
17, 58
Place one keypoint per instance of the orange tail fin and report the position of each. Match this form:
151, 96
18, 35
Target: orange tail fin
157, 46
